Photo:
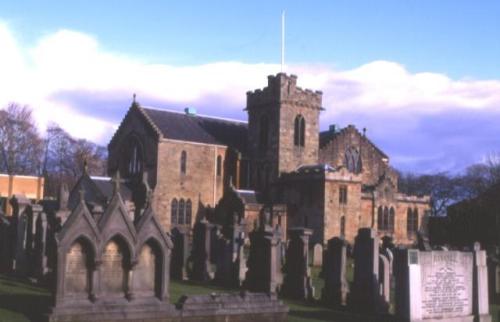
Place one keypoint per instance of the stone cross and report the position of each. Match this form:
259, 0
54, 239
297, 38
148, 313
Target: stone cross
117, 181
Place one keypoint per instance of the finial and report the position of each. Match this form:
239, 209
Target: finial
133, 98
364, 131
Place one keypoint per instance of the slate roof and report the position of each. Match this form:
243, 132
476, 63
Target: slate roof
198, 128
98, 190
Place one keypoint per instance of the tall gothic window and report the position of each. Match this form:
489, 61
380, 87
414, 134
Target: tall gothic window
263, 132
183, 162
412, 222
342, 226
219, 166
173, 212
182, 212
188, 212
386, 218
380, 218
299, 133
135, 157
353, 160
392, 215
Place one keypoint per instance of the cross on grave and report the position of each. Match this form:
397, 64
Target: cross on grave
117, 181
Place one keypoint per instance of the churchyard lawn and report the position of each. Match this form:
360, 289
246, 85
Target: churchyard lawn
22, 301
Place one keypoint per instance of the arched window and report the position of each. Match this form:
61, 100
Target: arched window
182, 211
299, 133
263, 132
386, 218
219, 166
183, 162
392, 215
353, 160
173, 212
135, 156
188, 212
342, 226
380, 218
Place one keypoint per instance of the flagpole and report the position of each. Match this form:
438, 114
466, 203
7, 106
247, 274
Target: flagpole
282, 41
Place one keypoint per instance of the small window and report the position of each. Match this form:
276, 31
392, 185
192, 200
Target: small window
342, 226
412, 222
385, 222
380, 218
173, 212
299, 131
183, 162
343, 195
219, 166
353, 160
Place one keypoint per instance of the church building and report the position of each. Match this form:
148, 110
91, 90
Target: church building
278, 162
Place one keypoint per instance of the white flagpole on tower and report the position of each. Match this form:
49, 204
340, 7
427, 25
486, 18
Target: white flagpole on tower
282, 41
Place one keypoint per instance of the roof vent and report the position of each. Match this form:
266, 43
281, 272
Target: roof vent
190, 111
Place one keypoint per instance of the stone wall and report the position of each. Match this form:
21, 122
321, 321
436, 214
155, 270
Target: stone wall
374, 162
200, 183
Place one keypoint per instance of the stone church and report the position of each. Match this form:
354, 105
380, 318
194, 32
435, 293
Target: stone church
277, 163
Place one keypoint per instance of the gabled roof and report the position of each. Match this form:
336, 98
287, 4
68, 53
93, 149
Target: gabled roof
326, 137
197, 128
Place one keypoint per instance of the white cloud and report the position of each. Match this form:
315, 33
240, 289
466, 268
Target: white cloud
68, 61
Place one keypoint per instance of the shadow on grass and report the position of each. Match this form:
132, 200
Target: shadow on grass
33, 307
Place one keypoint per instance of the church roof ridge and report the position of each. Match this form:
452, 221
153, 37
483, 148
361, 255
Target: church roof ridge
227, 119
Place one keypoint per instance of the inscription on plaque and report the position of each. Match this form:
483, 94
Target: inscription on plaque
144, 274
446, 284
76, 272
113, 273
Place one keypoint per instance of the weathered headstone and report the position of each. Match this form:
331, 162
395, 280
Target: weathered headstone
264, 271
317, 255
334, 271
297, 283
384, 280
180, 253
40, 247
441, 285
203, 245
365, 294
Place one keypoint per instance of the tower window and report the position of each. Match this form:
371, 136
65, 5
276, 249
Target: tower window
182, 212
135, 157
183, 162
342, 226
299, 131
219, 166
343, 195
263, 132
173, 212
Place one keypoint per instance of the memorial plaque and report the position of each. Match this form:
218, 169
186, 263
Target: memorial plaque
113, 274
446, 284
144, 274
76, 271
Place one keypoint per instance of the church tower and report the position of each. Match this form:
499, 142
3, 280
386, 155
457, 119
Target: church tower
283, 128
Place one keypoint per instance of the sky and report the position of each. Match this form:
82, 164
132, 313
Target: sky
421, 76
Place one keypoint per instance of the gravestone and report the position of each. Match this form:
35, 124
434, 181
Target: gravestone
264, 269
297, 283
441, 285
365, 296
180, 253
201, 256
384, 280
317, 255
40, 247
334, 271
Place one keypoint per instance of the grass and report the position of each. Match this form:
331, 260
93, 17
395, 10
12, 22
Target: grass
22, 301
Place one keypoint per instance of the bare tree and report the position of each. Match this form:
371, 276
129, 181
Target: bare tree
21, 147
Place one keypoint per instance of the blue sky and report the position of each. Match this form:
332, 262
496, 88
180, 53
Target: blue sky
422, 76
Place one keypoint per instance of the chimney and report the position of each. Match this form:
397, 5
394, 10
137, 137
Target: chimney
191, 111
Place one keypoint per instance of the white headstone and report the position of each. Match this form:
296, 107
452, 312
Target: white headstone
318, 255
